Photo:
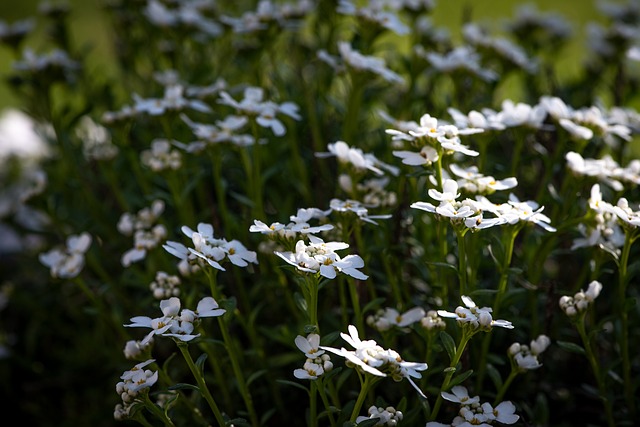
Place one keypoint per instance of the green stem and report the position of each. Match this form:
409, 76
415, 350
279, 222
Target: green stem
325, 401
233, 355
462, 260
313, 405
623, 277
595, 367
256, 173
202, 385
512, 375
215, 154
364, 390
464, 339
157, 411
355, 303
502, 289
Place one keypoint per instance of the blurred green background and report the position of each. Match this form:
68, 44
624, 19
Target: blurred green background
91, 28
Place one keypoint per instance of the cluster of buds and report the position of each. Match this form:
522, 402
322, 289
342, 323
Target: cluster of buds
134, 382
432, 322
165, 286
388, 416
146, 234
526, 357
581, 300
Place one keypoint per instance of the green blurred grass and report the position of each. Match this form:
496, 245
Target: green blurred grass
91, 29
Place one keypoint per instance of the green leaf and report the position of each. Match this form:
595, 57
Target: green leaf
368, 423
310, 329
181, 386
293, 384
371, 305
200, 362
449, 344
442, 264
495, 376
255, 376
458, 379
571, 347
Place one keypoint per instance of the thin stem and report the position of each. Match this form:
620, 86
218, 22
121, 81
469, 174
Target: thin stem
595, 367
233, 355
202, 385
630, 237
464, 339
364, 390
313, 405
355, 303
512, 375
512, 233
325, 401
462, 260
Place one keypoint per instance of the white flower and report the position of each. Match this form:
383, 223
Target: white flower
375, 360
310, 345
320, 257
474, 317
211, 249
389, 317
174, 323
426, 156
310, 371
67, 262
526, 357
459, 394
344, 206
357, 158
360, 62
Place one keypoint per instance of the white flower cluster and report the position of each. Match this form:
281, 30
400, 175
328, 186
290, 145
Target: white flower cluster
299, 225
96, 140
581, 301
225, 130
319, 257
388, 416
472, 181
438, 137
67, 262
175, 323
264, 112
473, 413
134, 381
210, 249
355, 207
526, 357
387, 318
461, 58
373, 191
374, 13
502, 47
474, 317
471, 212
161, 157
604, 229
146, 233
605, 169
369, 357
269, 14
165, 286
355, 157
432, 322
186, 15
317, 363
